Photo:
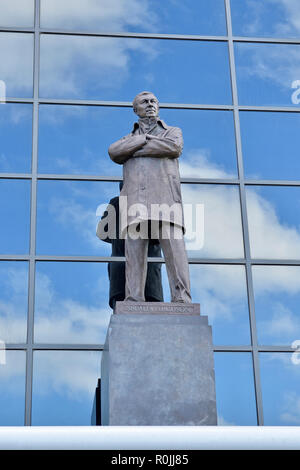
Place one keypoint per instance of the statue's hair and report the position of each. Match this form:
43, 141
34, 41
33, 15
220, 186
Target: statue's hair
134, 103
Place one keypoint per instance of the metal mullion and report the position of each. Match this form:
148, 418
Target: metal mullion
31, 291
110, 178
13, 29
271, 183
246, 239
67, 347
11, 99
266, 40
233, 348
128, 104
125, 34
270, 348
276, 262
106, 259
22, 176
271, 109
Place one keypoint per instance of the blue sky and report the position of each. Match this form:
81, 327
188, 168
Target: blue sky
71, 304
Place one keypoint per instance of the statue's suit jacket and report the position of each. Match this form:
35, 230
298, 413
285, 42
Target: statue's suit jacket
151, 174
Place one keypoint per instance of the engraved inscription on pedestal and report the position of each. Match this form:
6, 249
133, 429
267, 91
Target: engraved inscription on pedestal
157, 308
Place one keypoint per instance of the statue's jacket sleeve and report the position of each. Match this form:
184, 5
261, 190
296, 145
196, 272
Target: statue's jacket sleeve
151, 175
124, 148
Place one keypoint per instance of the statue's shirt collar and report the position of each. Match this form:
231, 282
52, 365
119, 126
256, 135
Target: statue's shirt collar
149, 124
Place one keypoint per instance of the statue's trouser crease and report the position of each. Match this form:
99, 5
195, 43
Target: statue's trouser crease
173, 247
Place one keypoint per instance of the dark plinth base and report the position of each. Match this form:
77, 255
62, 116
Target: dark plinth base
157, 368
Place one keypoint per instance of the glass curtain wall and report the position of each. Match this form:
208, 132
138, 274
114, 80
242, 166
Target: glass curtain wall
227, 73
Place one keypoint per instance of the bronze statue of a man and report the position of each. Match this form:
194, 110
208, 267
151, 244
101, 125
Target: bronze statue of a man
150, 200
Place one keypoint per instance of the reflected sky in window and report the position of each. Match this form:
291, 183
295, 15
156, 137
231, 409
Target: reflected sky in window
13, 301
169, 16
16, 13
209, 142
266, 74
277, 300
267, 18
71, 304
75, 139
270, 145
273, 216
235, 389
67, 217
14, 233
16, 66
212, 217
117, 68
64, 384
221, 292
16, 138
280, 379
12, 385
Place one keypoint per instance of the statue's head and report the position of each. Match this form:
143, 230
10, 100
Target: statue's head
145, 104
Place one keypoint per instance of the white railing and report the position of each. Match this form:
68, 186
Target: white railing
149, 437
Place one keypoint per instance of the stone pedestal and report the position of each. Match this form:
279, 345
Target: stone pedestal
157, 366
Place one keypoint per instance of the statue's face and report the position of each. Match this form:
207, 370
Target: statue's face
147, 106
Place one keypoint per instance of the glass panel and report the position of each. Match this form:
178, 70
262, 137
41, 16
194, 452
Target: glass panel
64, 384
169, 16
209, 142
280, 381
15, 216
71, 303
213, 221
270, 145
273, 217
267, 74
13, 301
75, 139
67, 217
12, 385
222, 294
277, 18
16, 12
118, 68
16, 65
16, 138
277, 300
235, 389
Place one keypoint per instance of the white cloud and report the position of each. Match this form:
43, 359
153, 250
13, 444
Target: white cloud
282, 323
270, 238
13, 304
70, 65
17, 12
290, 414
222, 219
291, 22
197, 163
70, 373
16, 66
276, 63
223, 422
63, 319
107, 15
279, 279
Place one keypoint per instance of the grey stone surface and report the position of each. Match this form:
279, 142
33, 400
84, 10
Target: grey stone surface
158, 370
